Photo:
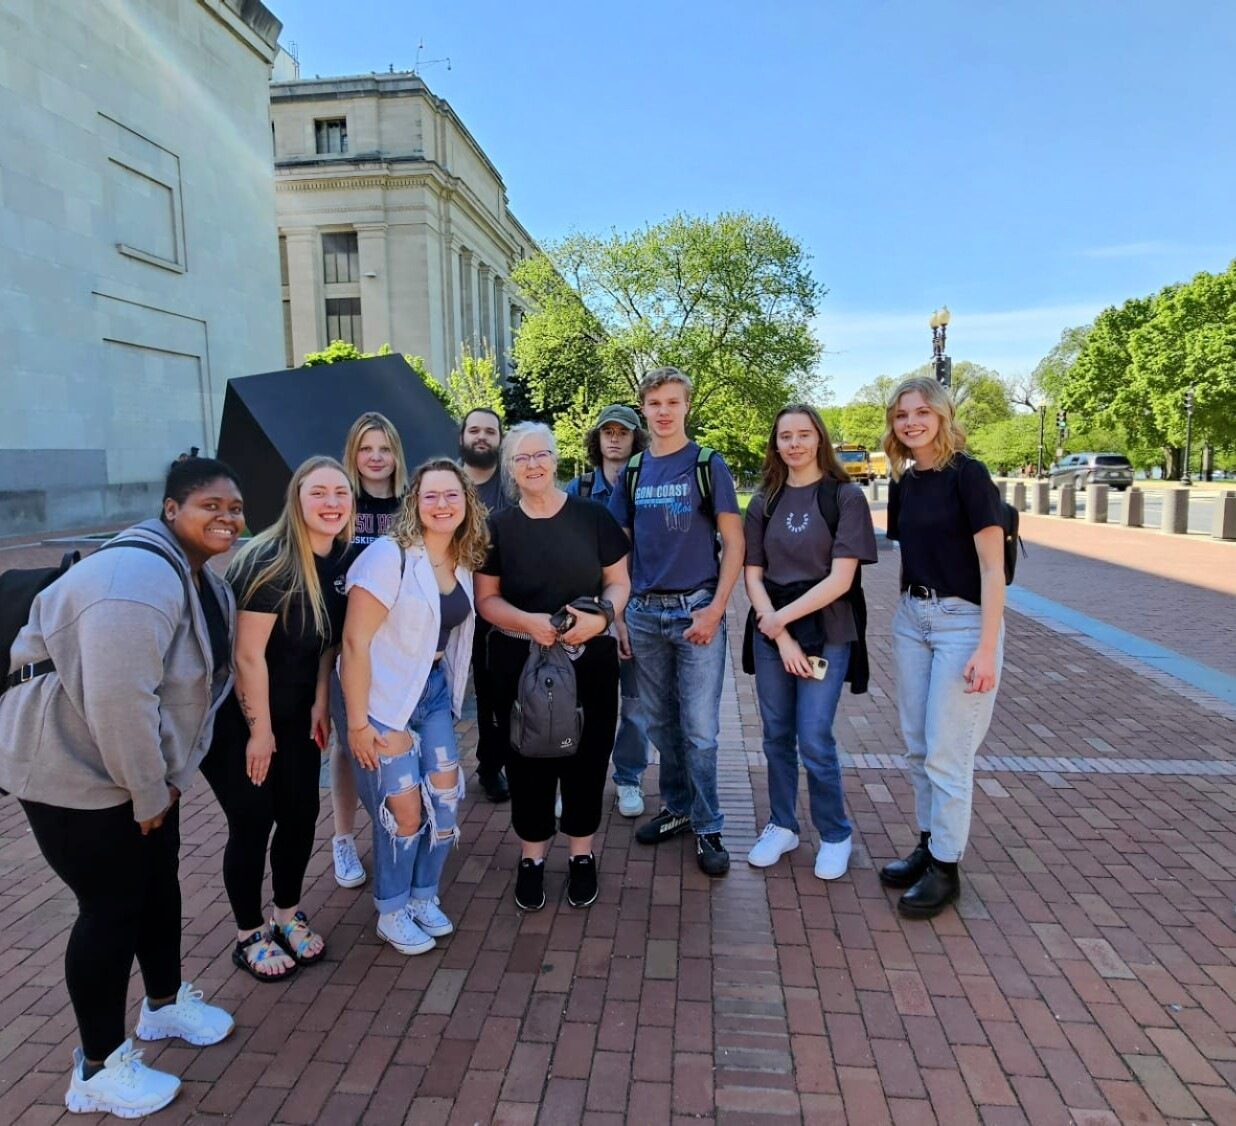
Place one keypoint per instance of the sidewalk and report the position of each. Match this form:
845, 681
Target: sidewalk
1087, 977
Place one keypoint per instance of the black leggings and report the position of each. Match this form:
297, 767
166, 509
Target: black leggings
491, 744
287, 801
535, 781
128, 900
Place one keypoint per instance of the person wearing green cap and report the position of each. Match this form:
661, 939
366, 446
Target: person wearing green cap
609, 446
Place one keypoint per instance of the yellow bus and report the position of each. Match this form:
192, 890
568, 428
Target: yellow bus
856, 460
879, 463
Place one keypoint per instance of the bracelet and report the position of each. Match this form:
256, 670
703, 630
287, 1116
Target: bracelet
359, 726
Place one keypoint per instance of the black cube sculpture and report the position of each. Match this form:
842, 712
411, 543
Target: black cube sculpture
274, 421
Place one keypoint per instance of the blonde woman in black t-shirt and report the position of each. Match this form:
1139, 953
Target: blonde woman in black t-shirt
948, 631
265, 758
374, 462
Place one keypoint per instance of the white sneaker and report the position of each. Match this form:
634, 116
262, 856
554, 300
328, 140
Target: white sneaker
833, 859
773, 843
400, 930
188, 1017
125, 1086
630, 801
349, 872
430, 917
558, 805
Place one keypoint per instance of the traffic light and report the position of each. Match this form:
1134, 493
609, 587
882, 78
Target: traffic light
1062, 419
944, 371
1188, 401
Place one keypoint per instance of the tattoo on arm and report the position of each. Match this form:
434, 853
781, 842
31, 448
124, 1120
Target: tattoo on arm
246, 710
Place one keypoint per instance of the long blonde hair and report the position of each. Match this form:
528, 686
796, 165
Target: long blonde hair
291, 565
470, 543
372, 420
950, 439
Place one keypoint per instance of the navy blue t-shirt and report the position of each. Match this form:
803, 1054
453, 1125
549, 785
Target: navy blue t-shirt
671, 535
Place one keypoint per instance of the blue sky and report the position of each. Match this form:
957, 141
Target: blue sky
1025, 162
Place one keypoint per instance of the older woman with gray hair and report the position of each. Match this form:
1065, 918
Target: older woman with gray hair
556, 573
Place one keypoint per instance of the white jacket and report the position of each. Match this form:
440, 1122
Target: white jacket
402, 651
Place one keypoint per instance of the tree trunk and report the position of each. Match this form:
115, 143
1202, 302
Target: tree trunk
1208, 462
1173, 463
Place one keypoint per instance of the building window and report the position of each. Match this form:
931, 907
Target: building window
331, 134
340, 258
343, 320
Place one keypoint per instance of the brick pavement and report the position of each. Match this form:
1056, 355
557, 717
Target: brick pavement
1088, 975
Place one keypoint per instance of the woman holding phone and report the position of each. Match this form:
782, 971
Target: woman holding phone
798, 573
948, 630
266, 755
374, 461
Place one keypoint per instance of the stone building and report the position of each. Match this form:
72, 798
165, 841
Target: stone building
393, 223
138, 268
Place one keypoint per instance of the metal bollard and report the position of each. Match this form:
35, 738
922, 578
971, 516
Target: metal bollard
1096, 504
1019, 496
1175, 512
1133, 512
1224, 526
1067, 506
1040, 498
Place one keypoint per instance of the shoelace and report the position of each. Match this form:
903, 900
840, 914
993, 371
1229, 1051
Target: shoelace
769, 830
128, 1066
191, 994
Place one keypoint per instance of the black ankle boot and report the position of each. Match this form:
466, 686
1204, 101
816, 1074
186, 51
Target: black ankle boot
939, 886
906, 873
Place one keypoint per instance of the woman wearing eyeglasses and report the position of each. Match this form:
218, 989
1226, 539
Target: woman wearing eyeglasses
546, 553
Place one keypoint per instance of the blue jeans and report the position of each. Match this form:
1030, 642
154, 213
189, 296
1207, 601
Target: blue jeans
798, 720
631, 743
941, 723
411, 867
680, 691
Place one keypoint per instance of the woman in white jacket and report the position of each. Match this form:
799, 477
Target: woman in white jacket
407, 643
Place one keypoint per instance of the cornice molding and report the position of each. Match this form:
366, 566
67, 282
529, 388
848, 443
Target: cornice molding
353, 183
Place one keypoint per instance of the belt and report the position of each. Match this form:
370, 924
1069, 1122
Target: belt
29, 672
675, 597
915, 590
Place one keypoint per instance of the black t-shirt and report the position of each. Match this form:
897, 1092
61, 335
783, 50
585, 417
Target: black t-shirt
544, 564
295, 648
374, 516
492, 494
454, 608
935, 514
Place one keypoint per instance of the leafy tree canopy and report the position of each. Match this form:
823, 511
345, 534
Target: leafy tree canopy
340, 350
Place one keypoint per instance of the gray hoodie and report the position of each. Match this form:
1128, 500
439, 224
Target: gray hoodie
129, 709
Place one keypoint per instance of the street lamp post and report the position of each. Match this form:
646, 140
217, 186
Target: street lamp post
1185, 479
939, 334
1042, 424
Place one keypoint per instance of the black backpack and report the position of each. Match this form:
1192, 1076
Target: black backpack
858, 673
18, 590
546, 719
1010, 521
587, 482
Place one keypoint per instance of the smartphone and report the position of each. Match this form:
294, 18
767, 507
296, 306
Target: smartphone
819, 667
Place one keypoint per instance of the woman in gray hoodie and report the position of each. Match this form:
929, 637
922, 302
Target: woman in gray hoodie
131, 656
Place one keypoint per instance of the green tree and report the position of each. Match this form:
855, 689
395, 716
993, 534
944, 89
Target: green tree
474, 384
862, 424
1008, 444
728, 300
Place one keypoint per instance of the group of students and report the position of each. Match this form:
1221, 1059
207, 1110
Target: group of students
362, 609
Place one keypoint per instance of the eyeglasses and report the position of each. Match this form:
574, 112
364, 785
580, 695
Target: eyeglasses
434, 499
527, 459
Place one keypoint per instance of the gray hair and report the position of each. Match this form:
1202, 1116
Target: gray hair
510, 445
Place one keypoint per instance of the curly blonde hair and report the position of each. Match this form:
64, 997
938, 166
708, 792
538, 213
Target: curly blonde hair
470, 543
950, 439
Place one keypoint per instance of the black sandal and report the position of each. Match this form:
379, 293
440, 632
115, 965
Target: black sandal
283, 933
241, 960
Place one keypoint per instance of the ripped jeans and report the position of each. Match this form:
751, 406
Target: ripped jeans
410, 866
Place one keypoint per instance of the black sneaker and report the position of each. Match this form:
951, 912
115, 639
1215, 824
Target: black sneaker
494, 785
582, 882
710, 854
662, 827
530, 885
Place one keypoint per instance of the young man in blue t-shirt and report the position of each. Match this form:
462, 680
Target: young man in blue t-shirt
610, 444
675, 620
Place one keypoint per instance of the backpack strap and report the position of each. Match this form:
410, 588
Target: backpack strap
828, 504
587, 482
630, 480
703, 480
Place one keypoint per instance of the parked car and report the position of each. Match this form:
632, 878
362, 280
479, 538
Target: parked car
1081, 470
